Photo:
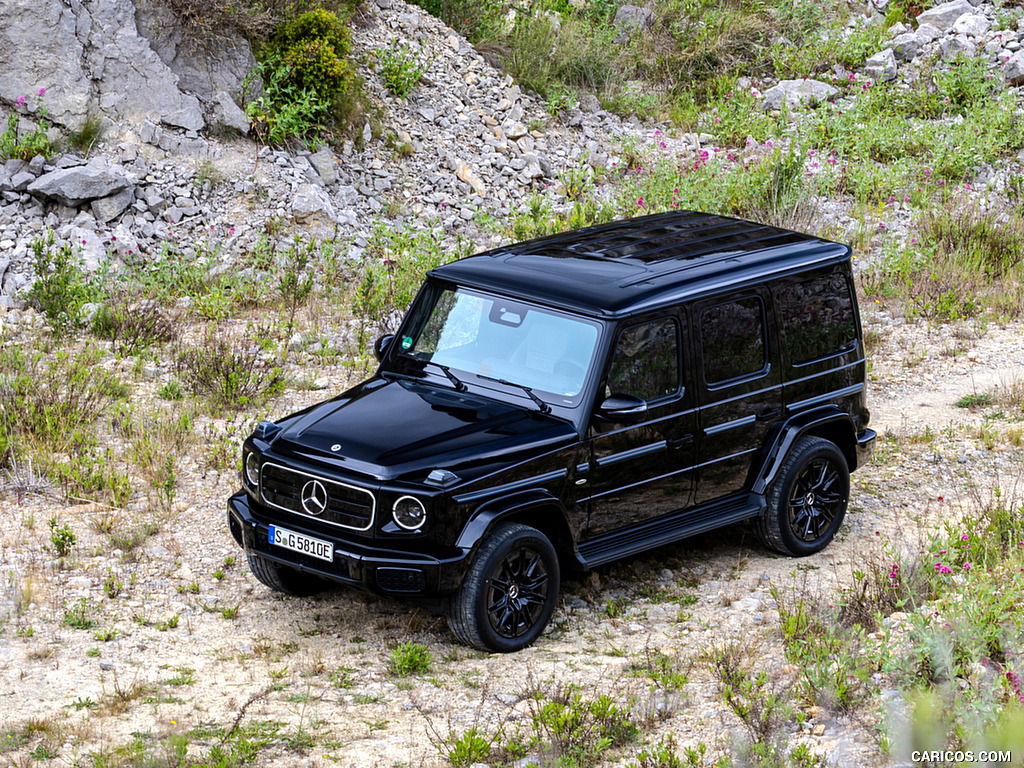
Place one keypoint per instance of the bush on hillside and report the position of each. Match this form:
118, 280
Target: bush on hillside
309, 83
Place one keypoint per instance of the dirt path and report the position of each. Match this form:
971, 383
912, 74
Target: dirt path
110, 651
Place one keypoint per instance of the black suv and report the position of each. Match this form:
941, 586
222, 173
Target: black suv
565, 402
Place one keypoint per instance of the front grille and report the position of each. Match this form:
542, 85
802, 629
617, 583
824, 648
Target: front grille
400, 579
326, 500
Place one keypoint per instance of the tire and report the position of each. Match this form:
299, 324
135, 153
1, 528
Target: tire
807, 502
281, 578
508, 595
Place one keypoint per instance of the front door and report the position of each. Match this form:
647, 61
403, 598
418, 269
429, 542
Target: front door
643, 470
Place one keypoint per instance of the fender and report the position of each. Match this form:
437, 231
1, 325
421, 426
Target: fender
792, 430
487, 515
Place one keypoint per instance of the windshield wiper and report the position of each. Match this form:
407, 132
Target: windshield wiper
541, 405
459, 385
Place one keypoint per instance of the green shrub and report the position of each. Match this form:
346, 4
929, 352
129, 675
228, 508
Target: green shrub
400, 68
25, 146
410, 659
61, 286
309, 84
231, 373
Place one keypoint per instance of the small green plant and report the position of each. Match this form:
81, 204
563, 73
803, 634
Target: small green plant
61, 286
410, 659
229, 372
26, 145
105, 635
400, 68
86, 137
184, 676
172, 390
62, 538
77, 617
229, 612
171, 623
581, 729
975, 400
472, 746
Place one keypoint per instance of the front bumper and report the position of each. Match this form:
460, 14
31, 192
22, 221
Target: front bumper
391, 572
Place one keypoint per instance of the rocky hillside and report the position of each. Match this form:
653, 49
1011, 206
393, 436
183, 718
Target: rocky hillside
465, 148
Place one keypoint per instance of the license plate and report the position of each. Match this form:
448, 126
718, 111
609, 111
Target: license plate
299, 542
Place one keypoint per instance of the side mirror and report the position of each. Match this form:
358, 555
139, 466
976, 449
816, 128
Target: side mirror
381, 345
623, 409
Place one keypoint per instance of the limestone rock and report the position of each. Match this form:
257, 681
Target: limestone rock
882, 66
109, 208
793, 92
227, 114
466, 174
323, 163
1014, 69
630, 18
906, 46
87, 56
943, 16
951, 47
74, 186
971, 25
206, 68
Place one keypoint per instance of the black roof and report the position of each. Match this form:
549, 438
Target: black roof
633, 264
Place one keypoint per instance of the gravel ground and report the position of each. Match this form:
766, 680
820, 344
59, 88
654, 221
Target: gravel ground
187, 649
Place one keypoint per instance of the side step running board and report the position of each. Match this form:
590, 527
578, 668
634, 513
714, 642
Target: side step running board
668, 529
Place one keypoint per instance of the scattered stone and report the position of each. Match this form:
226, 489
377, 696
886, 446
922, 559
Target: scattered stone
906, 46
942, 17
793, 92
1014, 69
227, 114
882, 66
80, 184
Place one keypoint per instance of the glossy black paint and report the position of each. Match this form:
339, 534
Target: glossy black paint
599, 482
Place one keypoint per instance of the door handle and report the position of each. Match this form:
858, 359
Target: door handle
679, 442
769, 414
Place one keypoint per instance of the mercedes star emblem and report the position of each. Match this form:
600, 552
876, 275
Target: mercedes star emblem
314, 497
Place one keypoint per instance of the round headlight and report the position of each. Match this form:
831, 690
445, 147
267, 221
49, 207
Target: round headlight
252, 469
409, 513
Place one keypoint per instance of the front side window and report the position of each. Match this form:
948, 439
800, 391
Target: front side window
646, 361
732, 339
474, 333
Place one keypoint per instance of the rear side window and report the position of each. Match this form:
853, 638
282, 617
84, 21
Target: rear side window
817, 316
732, 339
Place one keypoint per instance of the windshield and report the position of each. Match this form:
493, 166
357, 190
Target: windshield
492, 337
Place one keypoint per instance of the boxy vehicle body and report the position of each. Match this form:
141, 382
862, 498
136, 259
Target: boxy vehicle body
566, 402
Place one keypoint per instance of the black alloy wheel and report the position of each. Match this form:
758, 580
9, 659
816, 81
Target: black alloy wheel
815, 500
807, 502
509, 593
517, 593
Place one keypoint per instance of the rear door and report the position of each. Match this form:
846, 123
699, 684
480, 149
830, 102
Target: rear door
739, 388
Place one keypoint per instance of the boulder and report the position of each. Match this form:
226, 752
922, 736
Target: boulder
928, 32
630, 18
109, 208
943, 16
906, 46
74, 186
952, 47
971, 25
793, 92
881, 67
227, 114
1014, 69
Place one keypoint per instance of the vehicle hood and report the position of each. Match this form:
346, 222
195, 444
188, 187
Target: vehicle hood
401, 429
